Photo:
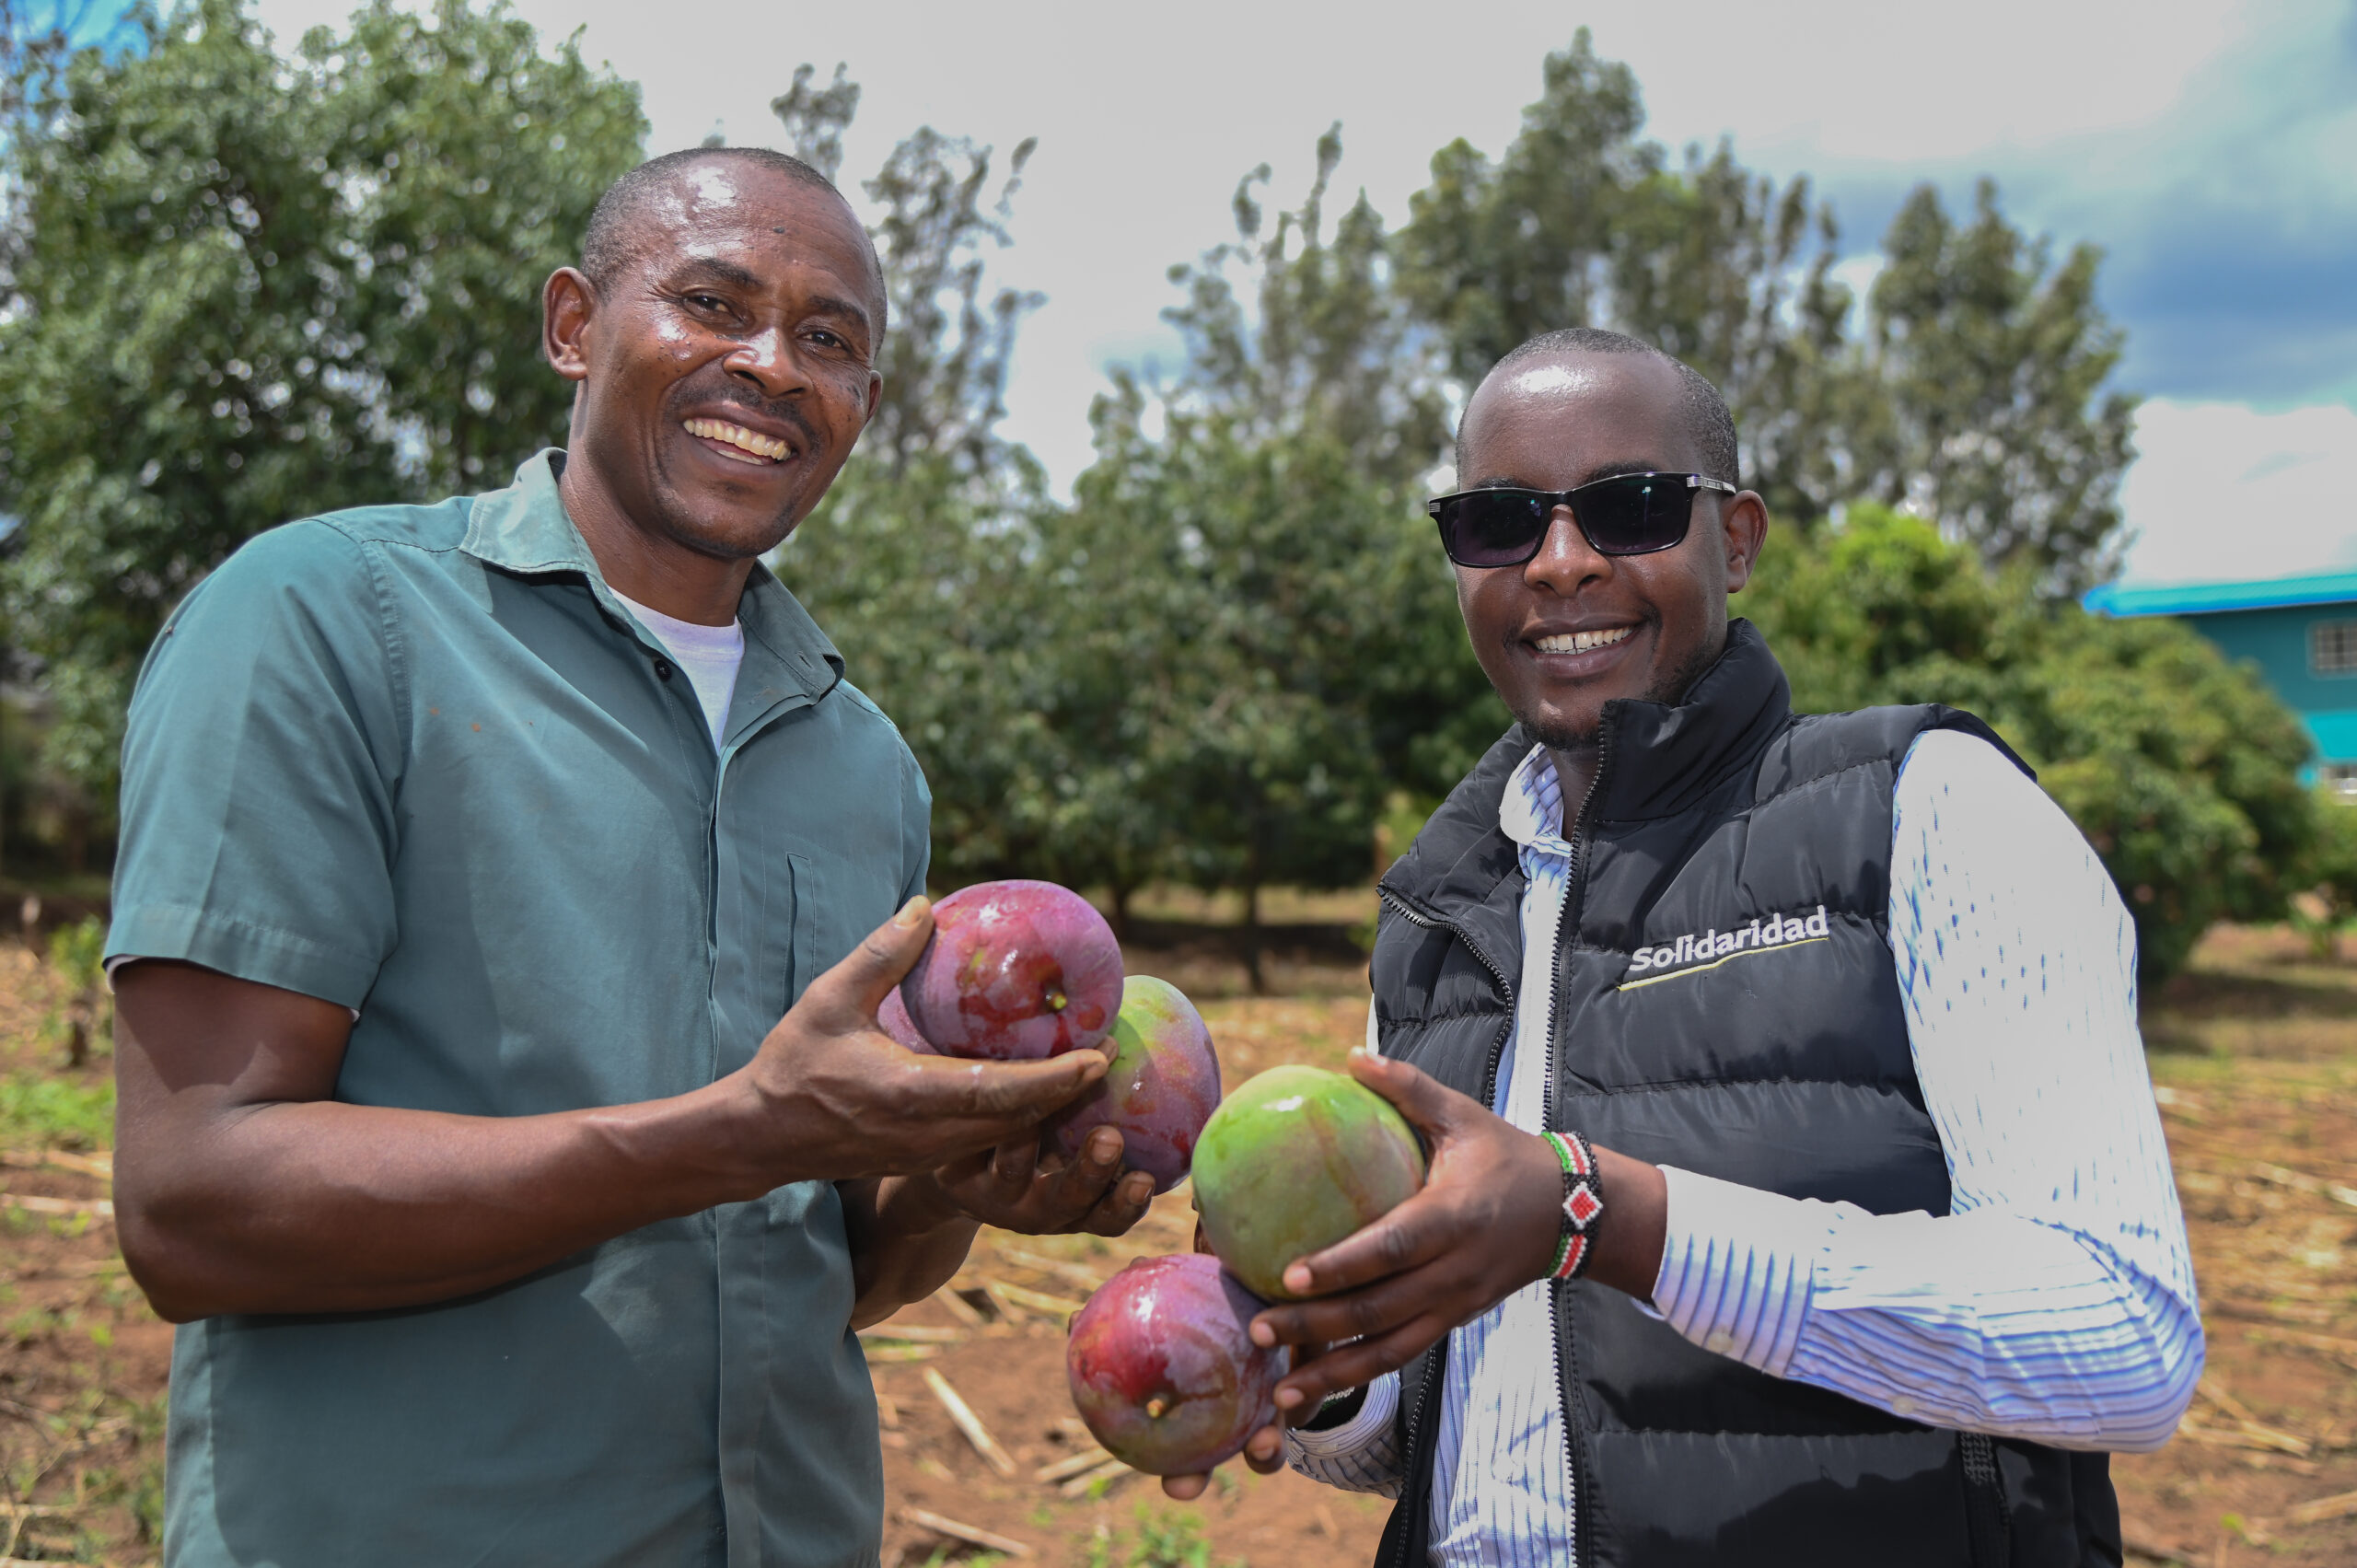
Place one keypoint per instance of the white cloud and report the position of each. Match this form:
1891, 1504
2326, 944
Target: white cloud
1868, 80
2221, 492
2099, 115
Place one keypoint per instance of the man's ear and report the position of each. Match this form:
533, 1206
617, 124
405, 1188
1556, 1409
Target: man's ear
1743, 524
567, 301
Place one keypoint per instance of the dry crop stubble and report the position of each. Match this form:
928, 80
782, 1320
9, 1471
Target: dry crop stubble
2255, 1056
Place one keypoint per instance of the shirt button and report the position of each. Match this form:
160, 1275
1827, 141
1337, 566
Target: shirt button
1719, 1342
663, 669
1902, 1405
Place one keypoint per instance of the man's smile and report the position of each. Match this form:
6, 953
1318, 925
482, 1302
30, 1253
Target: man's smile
736, 443
1582, 641
1563, 657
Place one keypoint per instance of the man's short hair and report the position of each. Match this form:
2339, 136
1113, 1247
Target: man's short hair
613, 243
1706, 415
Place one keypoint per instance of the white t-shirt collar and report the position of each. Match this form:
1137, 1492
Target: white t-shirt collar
709, 655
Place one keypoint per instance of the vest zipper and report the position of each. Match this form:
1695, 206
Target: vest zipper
1415, 916
1438, 1354
1575, 908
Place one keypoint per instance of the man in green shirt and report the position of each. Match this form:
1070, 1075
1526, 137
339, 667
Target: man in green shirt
503, 1115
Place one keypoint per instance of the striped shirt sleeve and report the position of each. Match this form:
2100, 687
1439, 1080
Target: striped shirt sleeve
2055, 1302
1361, 1454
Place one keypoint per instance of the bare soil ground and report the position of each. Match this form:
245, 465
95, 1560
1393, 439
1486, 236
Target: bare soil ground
83, 1362
2254, 1058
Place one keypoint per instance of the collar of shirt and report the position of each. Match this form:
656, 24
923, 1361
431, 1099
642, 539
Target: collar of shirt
710, 654
1531, 810
525, 529
687, 638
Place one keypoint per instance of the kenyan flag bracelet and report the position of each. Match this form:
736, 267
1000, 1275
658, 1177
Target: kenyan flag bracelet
1582, 1204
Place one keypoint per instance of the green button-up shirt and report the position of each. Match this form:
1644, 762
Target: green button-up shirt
420, 761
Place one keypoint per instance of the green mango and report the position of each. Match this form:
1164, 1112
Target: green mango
1291, 1163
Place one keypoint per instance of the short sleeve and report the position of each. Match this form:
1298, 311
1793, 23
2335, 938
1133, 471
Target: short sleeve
260, 767
916, 826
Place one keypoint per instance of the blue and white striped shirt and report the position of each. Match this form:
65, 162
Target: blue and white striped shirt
2055, 1302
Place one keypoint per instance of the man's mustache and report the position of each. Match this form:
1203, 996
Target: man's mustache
784, 412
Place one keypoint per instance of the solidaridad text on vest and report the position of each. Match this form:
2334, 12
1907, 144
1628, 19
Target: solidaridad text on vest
1696, 951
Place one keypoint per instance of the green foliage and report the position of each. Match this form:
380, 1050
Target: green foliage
922, 560
77, 953
1581, 222
945, 360
1496, 251
1991, 364
1164, 1538
2329, 874
1248, 562
245, 288
1221, 663
39, 1110
1261, 550
85, 1016
1327, 345
45, 818
924, 563
925, 581
1213, 666
1244, 592
2179, 767
1973, 387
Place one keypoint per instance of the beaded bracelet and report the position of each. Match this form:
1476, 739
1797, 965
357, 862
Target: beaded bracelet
1582, 1204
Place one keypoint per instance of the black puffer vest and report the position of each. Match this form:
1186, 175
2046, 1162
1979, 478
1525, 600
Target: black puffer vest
1726, 1001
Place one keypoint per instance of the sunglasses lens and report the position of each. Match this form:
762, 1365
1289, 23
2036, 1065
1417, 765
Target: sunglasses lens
1499, 528
1636, 514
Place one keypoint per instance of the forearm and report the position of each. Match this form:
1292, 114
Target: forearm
906, 1240
320, 1206
1984, 1321
243, 1186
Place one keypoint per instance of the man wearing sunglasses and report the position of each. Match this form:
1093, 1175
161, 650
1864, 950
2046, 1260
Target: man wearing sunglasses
1796, 1193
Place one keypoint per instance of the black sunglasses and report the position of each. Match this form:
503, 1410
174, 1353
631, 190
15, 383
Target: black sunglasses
1629, 514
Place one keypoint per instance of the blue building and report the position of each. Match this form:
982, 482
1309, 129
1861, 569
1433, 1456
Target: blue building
2301, 632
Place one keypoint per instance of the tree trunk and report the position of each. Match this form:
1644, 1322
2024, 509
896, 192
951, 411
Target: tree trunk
1121, 913
1252, 938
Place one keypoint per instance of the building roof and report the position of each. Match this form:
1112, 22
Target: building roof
2211, 599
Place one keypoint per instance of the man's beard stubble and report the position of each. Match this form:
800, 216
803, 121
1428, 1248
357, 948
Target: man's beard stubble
1671, 689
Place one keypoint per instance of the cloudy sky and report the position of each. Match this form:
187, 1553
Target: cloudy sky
2207, 145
